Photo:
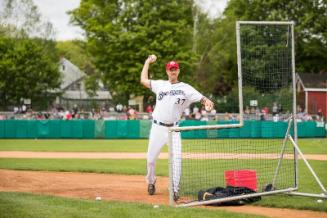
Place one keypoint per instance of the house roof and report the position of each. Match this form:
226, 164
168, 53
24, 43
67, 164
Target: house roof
313, 81
70, 73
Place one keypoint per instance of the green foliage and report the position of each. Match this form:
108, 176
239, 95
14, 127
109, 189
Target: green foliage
216, 40
266, 52
217, 70
28, 69
310, 19
121, 34
76, 145
230, 102
308, 146
28, 66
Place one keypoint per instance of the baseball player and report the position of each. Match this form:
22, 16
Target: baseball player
172, 98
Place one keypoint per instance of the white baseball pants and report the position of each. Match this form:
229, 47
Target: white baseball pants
158, 138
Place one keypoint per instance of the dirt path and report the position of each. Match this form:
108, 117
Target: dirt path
115, 187
135, 155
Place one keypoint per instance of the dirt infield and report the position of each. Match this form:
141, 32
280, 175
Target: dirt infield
115, 187
135, 155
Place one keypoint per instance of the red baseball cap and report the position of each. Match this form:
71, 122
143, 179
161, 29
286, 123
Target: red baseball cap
172, 64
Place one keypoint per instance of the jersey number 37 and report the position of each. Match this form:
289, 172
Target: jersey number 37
180, 101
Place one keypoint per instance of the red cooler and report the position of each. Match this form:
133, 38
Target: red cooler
241, 178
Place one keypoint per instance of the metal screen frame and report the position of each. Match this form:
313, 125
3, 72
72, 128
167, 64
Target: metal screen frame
241, 123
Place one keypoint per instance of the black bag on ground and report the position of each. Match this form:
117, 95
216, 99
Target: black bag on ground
229, 191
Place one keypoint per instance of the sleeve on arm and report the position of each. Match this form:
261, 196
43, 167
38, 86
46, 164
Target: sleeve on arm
154, 85
195, 96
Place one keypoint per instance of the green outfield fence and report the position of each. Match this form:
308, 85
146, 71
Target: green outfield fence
136, 129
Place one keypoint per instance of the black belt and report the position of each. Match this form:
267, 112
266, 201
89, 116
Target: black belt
165, 124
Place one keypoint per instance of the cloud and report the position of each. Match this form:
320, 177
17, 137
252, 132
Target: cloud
213, 8
56, 12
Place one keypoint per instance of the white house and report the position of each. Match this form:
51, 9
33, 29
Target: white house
73, 88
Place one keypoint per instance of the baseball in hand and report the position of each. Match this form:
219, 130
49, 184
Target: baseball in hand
153, 58
208, 107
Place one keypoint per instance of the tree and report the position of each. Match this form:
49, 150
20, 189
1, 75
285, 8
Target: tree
310, 19
122, 33
217, 70
24, 19
29, 62
26, 71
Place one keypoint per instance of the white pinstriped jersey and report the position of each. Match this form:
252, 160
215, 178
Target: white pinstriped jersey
172, 99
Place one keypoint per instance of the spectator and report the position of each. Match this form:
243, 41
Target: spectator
280, 108
29, 114
132, 114
92, 113
262, 115
68, 115
75, 112
299, 109
97, 115
24, 108
125, 109
276, 118
266, 110
320, 117
195, 110
46, 115
213, 113
197, 115
300, 114
319, 113
39, 116
119, 108
149, 109
307, 117
61, 114
247, 110
227, 116
204, 115
257, 111
234, 117
275, 109
16, 110
187, 114
105, 114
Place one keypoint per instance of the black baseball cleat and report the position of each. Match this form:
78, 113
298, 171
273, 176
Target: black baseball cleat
176, 196
151, 189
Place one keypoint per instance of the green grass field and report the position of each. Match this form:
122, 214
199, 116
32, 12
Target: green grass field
307, 183
17, 205
308, 146
43, 205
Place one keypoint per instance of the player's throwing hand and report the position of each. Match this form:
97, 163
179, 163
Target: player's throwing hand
207, 104
152, 58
